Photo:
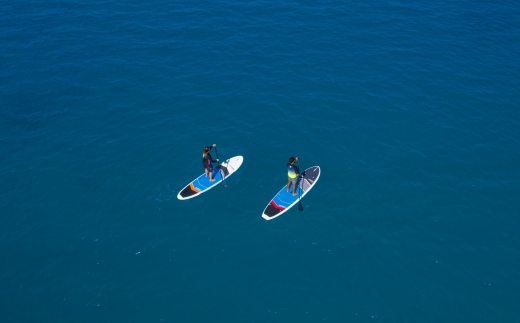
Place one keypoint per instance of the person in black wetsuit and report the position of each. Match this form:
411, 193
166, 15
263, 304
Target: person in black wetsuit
207, 162
292, 173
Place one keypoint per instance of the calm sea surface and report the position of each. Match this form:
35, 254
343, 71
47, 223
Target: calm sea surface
410, 108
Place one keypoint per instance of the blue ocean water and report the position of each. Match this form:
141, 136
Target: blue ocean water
410, 108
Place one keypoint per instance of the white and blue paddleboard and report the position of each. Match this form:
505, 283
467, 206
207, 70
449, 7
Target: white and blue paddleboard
284, 200
202, 184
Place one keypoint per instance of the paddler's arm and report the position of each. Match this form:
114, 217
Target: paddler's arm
210, 147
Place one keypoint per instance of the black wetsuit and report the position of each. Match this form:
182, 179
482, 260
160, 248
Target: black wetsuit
207, 161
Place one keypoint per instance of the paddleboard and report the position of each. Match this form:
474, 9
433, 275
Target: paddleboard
284, 200
202, 184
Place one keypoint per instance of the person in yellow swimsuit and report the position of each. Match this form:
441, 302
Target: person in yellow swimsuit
292, 173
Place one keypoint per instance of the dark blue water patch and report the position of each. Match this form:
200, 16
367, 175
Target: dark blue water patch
408, 108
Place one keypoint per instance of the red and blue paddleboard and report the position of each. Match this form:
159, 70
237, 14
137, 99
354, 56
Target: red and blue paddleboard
284, 200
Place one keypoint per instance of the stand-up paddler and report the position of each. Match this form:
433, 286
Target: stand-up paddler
292, 173
207, 162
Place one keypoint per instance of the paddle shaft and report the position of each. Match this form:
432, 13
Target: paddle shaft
300, 206
220, 170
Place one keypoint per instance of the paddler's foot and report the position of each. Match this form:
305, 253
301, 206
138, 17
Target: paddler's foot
294, 194
212, 180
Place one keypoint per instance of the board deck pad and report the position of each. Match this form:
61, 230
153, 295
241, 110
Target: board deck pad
284, 200
201, 184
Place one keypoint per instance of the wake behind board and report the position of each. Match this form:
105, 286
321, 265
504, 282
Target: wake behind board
284, 200
202, 184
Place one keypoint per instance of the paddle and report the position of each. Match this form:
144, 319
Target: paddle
300, 207
220, 170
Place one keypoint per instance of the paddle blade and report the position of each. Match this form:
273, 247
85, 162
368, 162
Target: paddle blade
300, 207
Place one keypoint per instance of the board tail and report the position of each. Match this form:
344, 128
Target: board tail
188, 191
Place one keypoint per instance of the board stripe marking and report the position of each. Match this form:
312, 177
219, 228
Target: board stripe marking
276, 206
199, 184
193, 188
